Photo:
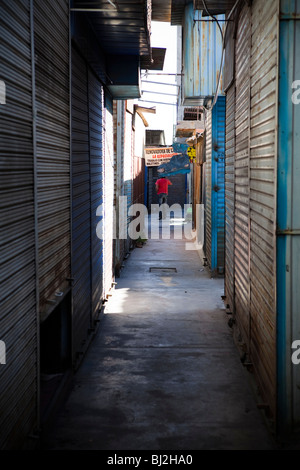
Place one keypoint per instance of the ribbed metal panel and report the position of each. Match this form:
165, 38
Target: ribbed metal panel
218, 185
229, 197
51, 35
288, 220
96, 186
81, 210
87, 197
202, 51
119, 143
242, 126
215, 186
264, 75
128, 169
108, 197
208, 188
18, 309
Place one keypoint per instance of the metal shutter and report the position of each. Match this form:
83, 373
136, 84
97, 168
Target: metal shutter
18, 307
96, 187
218, 184
242, 129
208, 202
229, 197
87, 191
264, 77
81, 210
51, 37
108, 197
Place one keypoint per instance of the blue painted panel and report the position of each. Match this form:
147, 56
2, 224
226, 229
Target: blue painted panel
218, 186
288, 218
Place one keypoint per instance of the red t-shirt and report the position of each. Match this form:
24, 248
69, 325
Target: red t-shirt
162, 185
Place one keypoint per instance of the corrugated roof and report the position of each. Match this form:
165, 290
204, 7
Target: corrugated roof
161, 10
121, 26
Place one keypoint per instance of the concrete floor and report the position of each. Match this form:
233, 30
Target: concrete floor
163, 372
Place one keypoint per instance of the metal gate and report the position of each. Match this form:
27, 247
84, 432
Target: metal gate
263, 163
108, 199
215, 186
81, 210
95, 91
51, 37
18, 303
229, 197
87, 191
242, 169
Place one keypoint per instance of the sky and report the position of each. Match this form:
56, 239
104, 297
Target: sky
162, 35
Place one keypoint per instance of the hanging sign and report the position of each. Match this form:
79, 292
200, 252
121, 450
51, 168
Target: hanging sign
155, 156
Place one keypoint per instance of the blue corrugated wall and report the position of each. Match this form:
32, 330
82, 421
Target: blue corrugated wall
288, 218
218, 186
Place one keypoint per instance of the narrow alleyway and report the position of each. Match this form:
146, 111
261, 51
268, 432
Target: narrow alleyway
163, 371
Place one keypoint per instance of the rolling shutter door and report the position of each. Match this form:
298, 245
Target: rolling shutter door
51, 38
229, 197
108, 198
18, 306
96, 187
218, 184
87, 192
208, 202
264, 77
81, 210
242, 126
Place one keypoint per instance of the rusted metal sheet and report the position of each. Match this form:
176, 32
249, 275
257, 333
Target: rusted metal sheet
51, 35
202, 52
263, 156
241, 174
18, 303
230, 198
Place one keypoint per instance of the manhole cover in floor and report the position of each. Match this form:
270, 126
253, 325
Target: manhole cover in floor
155, 269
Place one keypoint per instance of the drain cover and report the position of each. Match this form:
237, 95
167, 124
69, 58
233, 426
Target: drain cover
155, 269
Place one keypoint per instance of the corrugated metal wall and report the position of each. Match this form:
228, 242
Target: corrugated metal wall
288, 220
208, 201
230, 198
128, 170
242, 172
108, 196
218, 185
81, 209
51, 36
215, 186
18, 304
119, 143
202, 50
96, 100
263, 156
87, 196
251, 154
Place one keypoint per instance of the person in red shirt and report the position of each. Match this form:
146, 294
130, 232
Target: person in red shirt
162, 185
